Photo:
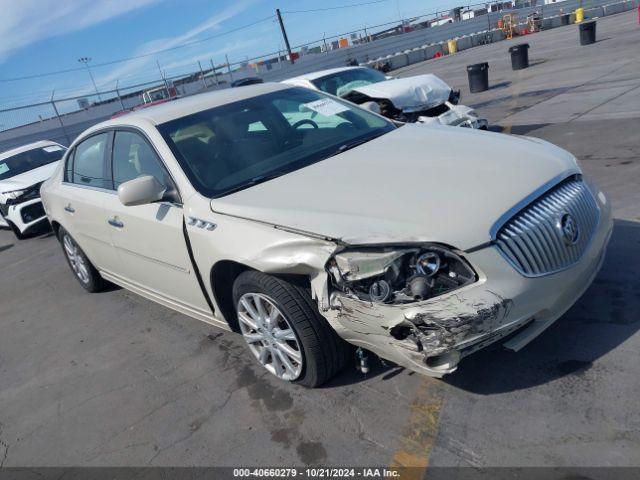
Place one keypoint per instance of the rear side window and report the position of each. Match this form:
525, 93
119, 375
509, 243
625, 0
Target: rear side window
89, 162
134, 157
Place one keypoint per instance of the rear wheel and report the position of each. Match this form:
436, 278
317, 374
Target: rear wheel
81, 267
284, 330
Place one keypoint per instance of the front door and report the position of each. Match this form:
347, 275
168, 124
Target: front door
149, 238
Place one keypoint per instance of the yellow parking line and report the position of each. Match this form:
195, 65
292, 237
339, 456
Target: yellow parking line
412, 456
514, 103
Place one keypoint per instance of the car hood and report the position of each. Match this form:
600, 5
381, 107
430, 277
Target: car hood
416, 93
415, 184
26, 179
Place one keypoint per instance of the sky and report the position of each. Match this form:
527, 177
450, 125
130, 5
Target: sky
40, 36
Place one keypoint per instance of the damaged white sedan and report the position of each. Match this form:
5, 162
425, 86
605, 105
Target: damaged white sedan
421, 98
420, 245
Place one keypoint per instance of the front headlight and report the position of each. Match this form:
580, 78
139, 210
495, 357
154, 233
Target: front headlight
399, 274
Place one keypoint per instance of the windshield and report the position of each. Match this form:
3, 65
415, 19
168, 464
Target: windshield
25, 161
237, 145
341, 83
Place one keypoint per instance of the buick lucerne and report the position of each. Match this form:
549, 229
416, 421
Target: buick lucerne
307, 224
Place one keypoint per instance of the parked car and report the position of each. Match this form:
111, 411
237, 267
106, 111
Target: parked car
418, 244
421, 98
22, 171
243, 82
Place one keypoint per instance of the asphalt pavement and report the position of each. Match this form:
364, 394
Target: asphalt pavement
112, 379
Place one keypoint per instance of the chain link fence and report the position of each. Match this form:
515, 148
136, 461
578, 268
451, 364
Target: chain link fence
62, 119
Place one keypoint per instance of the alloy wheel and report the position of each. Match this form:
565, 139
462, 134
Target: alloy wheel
76, 260
270, 336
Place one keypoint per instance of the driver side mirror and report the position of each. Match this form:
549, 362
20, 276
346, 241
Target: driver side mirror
141, 191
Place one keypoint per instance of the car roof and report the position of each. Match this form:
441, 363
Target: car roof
184, 106
322, 73
25, 148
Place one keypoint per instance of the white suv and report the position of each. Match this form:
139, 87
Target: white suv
303, 221
22, 171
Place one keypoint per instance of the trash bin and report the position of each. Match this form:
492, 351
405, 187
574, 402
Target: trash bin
519, 56
478, 77
588, 33
565, 19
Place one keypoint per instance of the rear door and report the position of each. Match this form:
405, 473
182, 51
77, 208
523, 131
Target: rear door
149, 238
85, 188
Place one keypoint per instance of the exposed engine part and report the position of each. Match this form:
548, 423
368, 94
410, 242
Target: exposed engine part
380, 291
399, 275
363, 360
387, 109
419, 287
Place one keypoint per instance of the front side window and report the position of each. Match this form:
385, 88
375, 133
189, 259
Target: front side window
133, 157
237, 145
341, 83
30, 160
89, 162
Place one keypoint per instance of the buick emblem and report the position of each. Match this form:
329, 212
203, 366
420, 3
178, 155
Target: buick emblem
569, 229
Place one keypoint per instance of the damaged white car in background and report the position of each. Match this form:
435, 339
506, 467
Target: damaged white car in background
22, 171
421, 98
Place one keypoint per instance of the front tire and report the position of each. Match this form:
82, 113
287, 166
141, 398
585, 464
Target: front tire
284, 330
86, 274
16, 231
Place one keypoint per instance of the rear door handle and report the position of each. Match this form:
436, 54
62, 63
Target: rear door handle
70, 209
114, 222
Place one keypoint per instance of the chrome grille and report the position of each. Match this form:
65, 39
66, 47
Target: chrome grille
533, 240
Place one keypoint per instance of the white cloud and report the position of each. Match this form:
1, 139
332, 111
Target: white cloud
29, 21
172, 59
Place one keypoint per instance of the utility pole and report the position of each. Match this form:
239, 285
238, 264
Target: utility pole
284, 35
85, 61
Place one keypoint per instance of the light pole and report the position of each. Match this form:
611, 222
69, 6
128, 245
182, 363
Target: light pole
86, 61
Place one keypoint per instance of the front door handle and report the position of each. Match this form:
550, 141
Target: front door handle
114, 222
70, 209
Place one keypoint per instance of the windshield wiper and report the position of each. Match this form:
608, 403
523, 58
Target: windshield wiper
355, 143
252, 181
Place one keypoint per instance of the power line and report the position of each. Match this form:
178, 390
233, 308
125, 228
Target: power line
336, 8
187, 44
136, 57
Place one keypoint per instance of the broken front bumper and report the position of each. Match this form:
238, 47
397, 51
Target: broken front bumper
24, 215
431, 337
458, 116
